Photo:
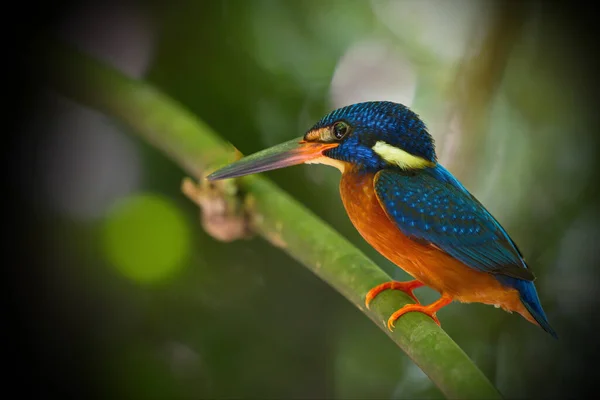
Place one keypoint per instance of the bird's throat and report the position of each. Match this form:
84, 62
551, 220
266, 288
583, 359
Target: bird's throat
341, 165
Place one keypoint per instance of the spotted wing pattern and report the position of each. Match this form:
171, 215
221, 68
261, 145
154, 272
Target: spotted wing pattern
436, 212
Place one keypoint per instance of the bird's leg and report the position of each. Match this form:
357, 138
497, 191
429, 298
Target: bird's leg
429, 310
406, 287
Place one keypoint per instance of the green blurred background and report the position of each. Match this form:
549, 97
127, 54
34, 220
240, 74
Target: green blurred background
136, 301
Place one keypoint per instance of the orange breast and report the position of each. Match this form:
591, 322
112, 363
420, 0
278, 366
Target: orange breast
425, 263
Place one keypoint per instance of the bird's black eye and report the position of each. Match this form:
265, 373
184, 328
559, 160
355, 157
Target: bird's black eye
340, 129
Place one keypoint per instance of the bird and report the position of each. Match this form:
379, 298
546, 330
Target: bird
410, 209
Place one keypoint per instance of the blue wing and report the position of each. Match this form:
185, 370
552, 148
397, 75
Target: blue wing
442, 213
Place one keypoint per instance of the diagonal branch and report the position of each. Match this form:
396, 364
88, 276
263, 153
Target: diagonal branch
275, 215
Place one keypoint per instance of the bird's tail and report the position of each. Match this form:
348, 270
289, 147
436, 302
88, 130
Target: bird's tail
531, 301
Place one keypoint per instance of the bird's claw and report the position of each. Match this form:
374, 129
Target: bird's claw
412, 308
406, 287
429, 310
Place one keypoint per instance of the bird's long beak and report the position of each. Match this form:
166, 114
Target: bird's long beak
290, 153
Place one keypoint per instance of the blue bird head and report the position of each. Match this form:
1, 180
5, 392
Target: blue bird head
374, 134
365, 136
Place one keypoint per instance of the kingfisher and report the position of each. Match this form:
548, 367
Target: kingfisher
411, 209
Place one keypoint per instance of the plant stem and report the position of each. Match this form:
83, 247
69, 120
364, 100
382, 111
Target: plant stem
276, 216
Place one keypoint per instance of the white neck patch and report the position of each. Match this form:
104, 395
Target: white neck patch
401, 158
328, 161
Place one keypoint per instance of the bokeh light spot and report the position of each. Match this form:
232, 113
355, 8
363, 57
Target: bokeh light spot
373, 70
146, 237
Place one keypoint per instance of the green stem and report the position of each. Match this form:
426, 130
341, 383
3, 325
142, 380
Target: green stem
277, 217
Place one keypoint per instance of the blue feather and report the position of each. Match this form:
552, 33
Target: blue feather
443, 174
531, 301
427, 208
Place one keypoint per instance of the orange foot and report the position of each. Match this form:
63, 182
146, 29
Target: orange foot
429, 310
406, 287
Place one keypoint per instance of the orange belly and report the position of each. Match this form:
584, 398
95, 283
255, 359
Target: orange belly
425, 263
